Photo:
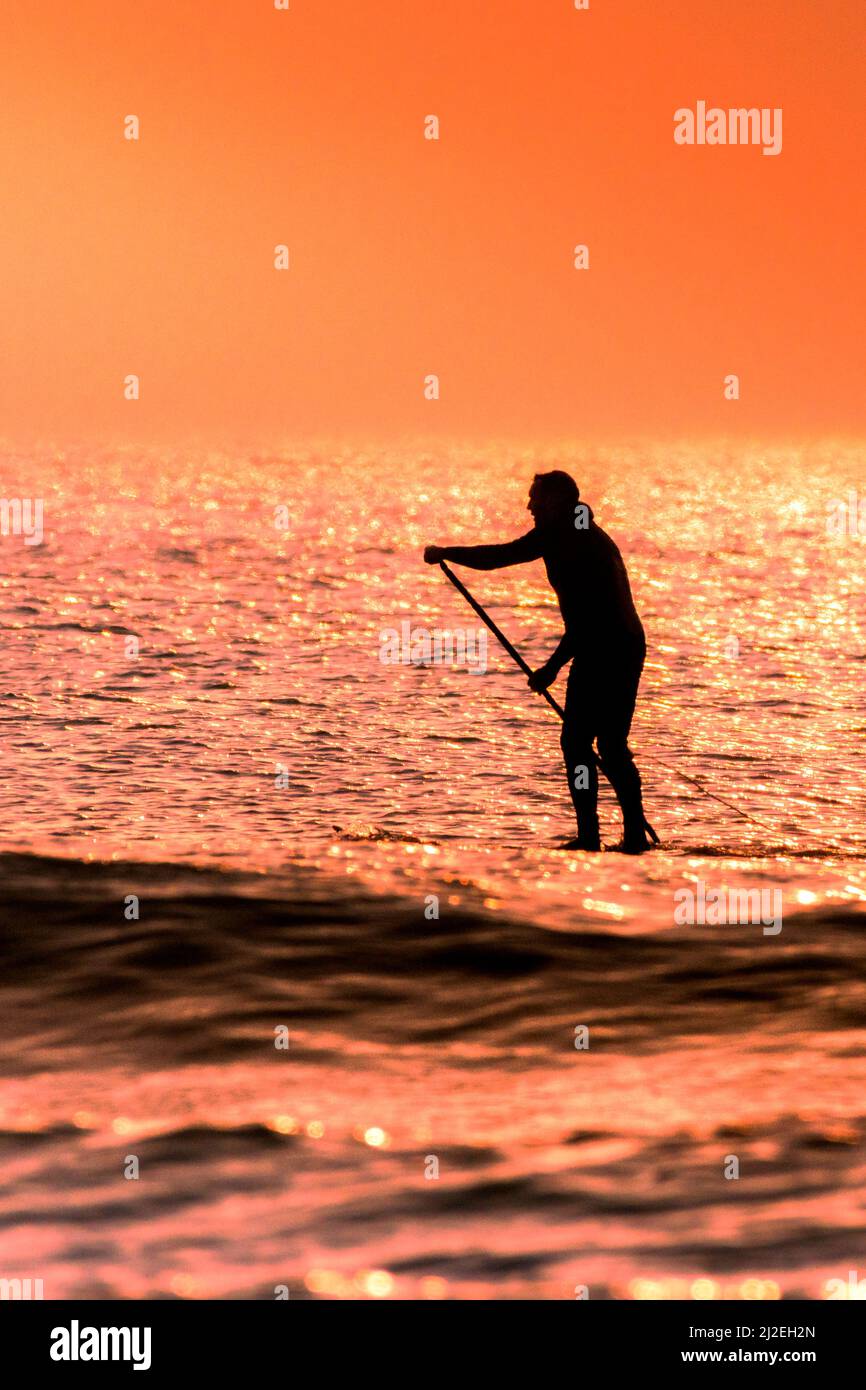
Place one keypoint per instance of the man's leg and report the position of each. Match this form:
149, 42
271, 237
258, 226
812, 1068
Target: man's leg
578, 732
617, 762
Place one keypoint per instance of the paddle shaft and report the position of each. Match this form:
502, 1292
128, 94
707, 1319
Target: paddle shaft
499, 635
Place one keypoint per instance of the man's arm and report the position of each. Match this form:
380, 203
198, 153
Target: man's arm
488, 557
547, 674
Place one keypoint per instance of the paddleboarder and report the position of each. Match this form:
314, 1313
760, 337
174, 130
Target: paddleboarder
602, 629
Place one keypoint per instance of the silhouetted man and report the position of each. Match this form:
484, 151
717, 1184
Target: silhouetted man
602, 629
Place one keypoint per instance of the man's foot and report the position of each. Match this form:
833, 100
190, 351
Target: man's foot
590, 845
632, 844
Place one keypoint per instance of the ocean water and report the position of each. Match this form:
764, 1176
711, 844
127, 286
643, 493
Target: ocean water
360, 856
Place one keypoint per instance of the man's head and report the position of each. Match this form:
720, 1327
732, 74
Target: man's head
553, 497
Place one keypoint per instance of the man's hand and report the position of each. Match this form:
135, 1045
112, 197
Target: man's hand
433, 554
543, 677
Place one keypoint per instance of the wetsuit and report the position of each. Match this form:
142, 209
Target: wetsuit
603, 630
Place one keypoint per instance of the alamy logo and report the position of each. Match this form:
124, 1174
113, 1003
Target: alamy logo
24, 1289
720, 907
419, 646
22, 516
854, 1289
736, 126
847, 518
75, 1343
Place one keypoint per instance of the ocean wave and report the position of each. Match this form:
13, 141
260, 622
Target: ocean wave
215, 959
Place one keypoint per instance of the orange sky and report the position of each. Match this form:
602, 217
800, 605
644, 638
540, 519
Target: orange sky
409, 256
